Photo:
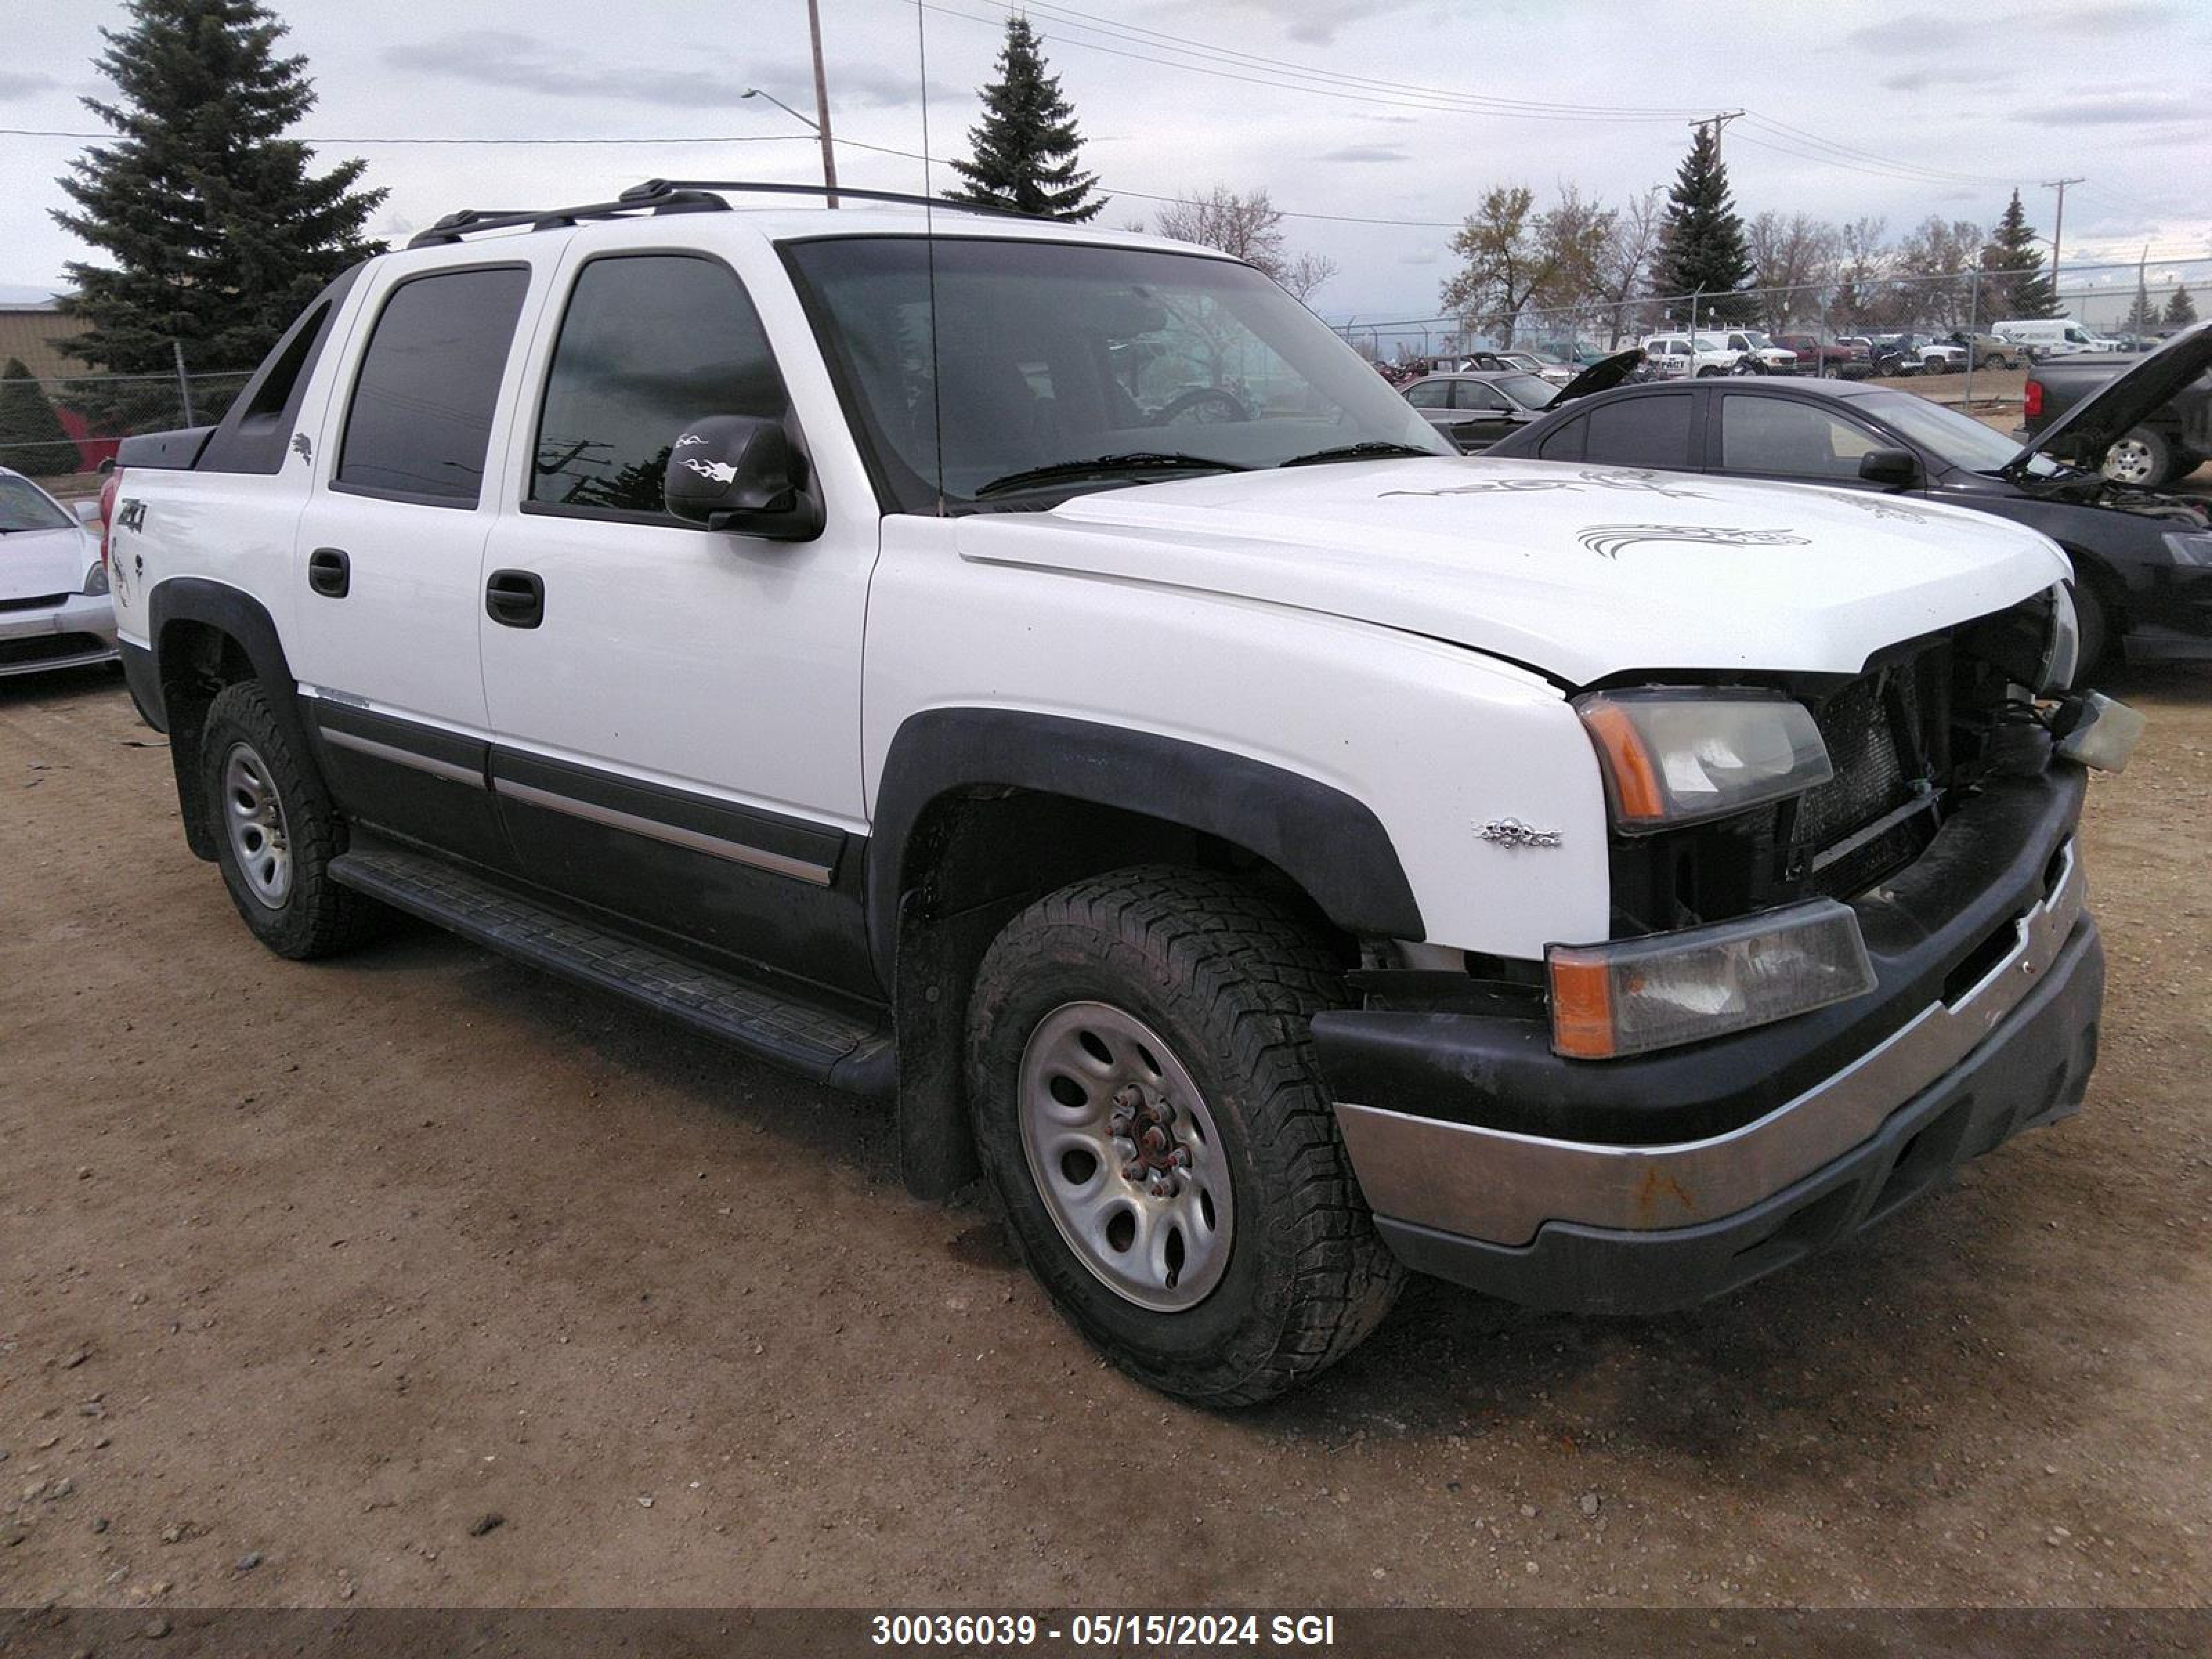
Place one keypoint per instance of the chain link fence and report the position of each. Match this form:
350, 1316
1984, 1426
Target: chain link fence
61, 430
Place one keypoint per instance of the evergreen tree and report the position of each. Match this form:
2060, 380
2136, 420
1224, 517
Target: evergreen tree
2020, 289
216, 234
2143, 314
1026, 145
1702, 250
2180, 309
31, 437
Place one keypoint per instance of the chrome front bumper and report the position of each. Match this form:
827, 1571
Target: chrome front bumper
1500, 1187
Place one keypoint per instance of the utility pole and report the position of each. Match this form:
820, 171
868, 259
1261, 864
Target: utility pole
1718, 124
822, 102
2057, 226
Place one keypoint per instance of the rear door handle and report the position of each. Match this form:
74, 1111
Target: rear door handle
329, 572
515, 598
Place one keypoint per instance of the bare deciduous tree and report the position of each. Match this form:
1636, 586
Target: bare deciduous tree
1246, 226
1790, 258
1629, 250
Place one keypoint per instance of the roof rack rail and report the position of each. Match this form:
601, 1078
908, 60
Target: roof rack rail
471, 221
653, 189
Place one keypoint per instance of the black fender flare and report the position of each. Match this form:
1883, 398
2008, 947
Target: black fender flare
238, 614
1328, 841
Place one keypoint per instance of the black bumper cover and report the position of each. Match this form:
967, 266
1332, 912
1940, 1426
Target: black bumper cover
2031, 1069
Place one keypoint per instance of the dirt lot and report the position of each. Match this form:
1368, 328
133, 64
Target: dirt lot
305, 1271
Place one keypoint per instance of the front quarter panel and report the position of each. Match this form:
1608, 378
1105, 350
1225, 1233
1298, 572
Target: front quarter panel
1436, 740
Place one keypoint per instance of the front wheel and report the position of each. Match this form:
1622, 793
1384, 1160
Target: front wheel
1149, 1110
276, 831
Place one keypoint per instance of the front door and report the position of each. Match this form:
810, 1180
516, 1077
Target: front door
675, 722
387, 564
1804, 442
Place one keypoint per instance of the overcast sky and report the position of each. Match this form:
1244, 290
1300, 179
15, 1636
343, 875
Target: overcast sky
1332, 105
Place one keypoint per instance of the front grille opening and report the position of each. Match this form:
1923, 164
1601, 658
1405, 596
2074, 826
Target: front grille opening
1887, 738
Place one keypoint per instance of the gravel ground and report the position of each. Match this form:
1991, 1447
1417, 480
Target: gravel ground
416, 1278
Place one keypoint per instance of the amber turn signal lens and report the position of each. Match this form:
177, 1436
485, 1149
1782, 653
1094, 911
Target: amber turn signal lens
1637, 796
1581, 1005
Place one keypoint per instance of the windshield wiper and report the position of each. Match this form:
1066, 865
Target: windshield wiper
1104, 466
1367, 450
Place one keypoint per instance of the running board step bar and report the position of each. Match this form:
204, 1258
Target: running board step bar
841, 1049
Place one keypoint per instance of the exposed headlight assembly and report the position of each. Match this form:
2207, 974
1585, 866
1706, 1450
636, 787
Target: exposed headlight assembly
1634, 995
1680, 756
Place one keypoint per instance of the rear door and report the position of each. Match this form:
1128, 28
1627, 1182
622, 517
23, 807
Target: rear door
390, 548
676, 723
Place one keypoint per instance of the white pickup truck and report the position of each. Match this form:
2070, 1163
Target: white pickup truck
1044, 676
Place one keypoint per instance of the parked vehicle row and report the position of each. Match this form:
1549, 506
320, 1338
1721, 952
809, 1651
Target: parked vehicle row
1275, 851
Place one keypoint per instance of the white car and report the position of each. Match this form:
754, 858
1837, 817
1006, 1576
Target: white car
55, 611
1677, 356
1275, 851
1755, 347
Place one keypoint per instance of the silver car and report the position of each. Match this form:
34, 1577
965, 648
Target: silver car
55, 611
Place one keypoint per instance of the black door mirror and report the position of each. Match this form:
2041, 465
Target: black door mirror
743, 473
1895, 469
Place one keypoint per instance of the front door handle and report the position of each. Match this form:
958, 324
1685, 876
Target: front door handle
515, 598
329, 572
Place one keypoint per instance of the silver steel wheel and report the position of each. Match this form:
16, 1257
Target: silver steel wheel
1126, 1156
2131, 461
255, 818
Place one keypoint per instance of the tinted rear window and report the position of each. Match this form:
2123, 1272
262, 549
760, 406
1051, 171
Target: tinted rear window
1641, 431
421, 417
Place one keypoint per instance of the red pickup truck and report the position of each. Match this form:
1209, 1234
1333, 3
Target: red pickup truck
1816, 356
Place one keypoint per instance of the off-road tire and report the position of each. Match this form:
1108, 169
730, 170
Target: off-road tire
1230, 978
317, 917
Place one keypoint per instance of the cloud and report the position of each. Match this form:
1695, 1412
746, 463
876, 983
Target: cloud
1365, 153
2122, 110
22, 86
515, 61
1316, 22
1919, 35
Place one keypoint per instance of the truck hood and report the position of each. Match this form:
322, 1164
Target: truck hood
1581, 572
2085, 432
36, 562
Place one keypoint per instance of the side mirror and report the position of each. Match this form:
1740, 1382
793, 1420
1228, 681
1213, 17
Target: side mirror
740, 473
1895, 469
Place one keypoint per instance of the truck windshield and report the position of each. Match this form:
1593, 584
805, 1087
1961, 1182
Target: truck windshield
1048, 357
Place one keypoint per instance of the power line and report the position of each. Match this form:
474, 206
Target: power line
319, 140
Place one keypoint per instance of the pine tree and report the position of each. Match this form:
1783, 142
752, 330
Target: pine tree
2143, 314
1702, 249
2180, 309
1026, 145
215, 232
32, 437
2010, 257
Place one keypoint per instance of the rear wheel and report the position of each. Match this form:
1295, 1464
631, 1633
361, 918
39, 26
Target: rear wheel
1149, 1111
276, 831
2146, 457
